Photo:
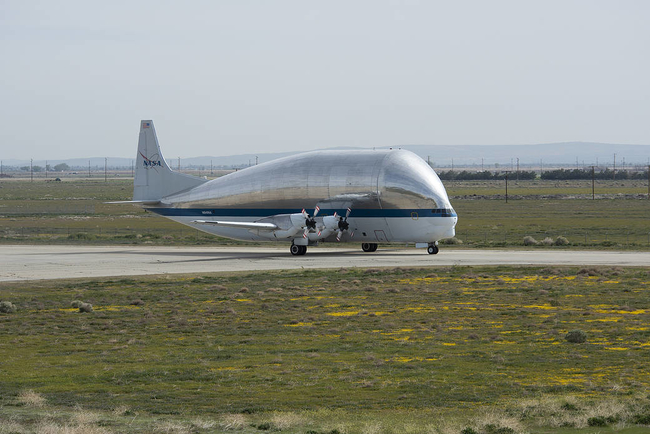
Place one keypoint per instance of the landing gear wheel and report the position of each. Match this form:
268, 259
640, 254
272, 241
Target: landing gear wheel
433, 249
369, 247
303, 250
296, 250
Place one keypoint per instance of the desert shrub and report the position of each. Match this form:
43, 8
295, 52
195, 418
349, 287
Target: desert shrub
597, 421
590, 272
30, 398
85, 307
642, 419
494, 429
576, 337
81, 236
451, 241
137, 302
561, 241
233, 422
569, 406
530, 241
7, 307
286, 420
84, 417
152, 236
548, 241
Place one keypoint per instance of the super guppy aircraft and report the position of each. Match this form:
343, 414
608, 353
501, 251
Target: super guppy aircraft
364, 196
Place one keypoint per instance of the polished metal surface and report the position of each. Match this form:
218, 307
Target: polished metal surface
366, 179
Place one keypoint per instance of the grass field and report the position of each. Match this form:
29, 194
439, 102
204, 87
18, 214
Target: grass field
75, 212
440, 350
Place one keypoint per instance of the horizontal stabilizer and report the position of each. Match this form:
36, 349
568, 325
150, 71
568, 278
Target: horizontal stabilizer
244, 225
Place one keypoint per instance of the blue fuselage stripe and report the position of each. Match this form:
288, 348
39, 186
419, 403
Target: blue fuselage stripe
268, 212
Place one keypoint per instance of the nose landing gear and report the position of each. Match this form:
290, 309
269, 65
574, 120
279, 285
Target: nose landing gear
432, 249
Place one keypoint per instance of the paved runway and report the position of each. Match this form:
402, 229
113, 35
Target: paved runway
56, 262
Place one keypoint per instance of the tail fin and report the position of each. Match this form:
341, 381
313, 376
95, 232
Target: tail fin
153, 177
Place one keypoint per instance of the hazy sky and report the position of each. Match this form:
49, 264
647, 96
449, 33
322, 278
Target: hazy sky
225, 77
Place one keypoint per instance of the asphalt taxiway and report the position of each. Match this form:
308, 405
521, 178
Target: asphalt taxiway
22, 262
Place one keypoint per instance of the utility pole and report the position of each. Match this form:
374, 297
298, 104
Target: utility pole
541, 167
593, 188
45, 169
211, 171
179, 164
506, 187
88, 168
105, 169
614, 168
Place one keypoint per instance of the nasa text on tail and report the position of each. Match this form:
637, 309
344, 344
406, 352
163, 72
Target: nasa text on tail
365, 196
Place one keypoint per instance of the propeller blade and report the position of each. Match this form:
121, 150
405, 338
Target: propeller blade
339, 235
304, 213
304, 234
351, 234
319, 232
335, 214
316, 210
347, 213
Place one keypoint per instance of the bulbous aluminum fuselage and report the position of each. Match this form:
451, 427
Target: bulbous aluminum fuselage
394, 196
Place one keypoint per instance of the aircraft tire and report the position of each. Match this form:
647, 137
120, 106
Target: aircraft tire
369, 247
303, 250
297, 250
433, 249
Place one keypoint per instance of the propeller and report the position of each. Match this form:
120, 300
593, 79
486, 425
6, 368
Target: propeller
310, 222
344, 225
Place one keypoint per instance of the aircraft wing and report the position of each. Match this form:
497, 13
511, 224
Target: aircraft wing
141, 202
243, 225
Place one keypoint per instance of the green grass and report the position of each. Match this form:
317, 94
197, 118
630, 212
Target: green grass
586, 223
335, 349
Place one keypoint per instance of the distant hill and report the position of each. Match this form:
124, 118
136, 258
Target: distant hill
550, 154
565, 154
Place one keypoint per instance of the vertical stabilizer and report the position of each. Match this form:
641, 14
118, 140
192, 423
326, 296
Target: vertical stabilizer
154, 179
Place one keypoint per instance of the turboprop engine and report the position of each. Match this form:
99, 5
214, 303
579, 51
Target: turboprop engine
336, 222
289, 226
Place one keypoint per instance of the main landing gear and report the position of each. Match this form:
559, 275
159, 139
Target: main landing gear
298, 250
432, 249
369, 247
